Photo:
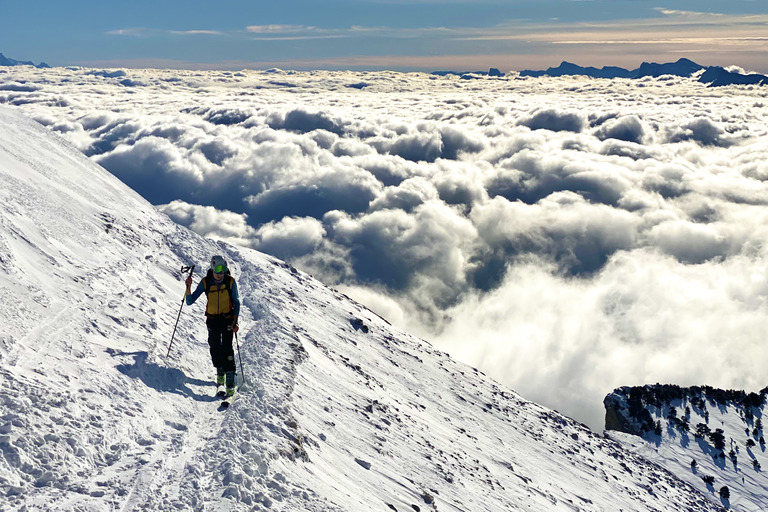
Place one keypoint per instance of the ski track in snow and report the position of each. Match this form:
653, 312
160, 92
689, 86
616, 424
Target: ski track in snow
338, 411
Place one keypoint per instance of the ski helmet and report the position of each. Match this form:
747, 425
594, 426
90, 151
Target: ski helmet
218, 264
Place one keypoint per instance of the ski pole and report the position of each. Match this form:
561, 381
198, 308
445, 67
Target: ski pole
240, 358
183, 270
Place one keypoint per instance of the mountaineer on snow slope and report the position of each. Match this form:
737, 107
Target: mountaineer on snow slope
221, 312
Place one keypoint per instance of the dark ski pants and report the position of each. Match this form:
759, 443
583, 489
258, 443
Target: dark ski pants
220, 340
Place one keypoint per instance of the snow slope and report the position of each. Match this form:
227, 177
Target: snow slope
338, 410
737, 464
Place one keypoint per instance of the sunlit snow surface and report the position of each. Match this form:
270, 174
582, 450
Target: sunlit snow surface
339, 410
565, 235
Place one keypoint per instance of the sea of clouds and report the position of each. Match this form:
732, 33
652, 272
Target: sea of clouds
565, 235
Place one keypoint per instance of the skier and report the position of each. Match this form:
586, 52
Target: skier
221, 314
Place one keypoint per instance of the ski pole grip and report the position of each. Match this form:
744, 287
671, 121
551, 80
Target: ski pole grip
190, 270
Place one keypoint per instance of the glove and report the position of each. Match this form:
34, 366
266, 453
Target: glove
235, 327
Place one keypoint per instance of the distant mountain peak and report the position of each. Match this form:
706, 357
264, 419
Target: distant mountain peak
714, 76
683, 67
6, 61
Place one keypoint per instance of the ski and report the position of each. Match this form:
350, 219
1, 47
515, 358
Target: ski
228, 401
221, 391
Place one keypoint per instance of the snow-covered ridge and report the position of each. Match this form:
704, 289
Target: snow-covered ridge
338, 410
710, 437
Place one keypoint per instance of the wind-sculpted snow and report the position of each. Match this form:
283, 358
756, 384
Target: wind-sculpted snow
337, 410
571, 228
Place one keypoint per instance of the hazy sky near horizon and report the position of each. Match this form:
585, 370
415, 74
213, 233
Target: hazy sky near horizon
385, 34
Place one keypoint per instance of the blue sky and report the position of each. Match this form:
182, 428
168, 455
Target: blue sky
391, 34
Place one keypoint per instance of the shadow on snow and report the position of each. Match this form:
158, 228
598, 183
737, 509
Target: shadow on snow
161, 378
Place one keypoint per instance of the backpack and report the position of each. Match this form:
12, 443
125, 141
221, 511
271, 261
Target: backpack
218, 304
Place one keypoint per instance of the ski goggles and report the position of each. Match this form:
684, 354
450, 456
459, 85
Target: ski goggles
219, 269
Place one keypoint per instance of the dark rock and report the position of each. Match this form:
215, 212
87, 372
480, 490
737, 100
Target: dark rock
364, 464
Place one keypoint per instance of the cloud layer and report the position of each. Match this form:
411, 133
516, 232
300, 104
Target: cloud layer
565, 235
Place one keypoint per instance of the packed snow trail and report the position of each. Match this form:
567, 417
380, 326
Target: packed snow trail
339, 411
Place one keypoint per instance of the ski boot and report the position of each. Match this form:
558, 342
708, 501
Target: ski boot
230, 382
